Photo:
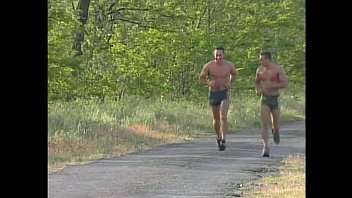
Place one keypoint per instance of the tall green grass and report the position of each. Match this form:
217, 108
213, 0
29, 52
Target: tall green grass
80, 131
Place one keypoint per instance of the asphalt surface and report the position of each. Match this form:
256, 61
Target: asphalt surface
195, 169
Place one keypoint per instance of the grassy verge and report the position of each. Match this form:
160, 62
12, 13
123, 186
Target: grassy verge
82, 131
290, 182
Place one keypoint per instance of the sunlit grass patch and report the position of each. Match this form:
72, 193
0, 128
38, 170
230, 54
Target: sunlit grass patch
290, 183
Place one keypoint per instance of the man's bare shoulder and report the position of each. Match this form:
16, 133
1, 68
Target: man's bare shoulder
259, 68
209, 64
278, 68
229, 63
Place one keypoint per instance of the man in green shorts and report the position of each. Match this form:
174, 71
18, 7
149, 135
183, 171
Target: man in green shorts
218, 75
271, 101
270, 77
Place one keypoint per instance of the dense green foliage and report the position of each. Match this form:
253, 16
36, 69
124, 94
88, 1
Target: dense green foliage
156, 48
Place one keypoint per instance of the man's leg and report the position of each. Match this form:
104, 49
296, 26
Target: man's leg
223, 123
224, 108
275, 120
216, 120
265, 117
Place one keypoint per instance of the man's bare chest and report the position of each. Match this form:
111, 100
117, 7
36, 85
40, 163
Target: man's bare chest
267, 74
219, 71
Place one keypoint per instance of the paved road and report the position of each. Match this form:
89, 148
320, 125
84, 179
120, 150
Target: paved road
194, 169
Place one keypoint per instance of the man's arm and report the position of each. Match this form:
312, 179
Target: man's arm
233, 73
232, 77
257, 82
282, 79
204, 74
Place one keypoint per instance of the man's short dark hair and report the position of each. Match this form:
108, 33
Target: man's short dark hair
266, 54
220, 48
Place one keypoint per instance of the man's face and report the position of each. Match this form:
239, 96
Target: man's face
263, 60
218, 55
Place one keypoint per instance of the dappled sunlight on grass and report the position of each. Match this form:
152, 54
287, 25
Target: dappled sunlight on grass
146, 131
107, 142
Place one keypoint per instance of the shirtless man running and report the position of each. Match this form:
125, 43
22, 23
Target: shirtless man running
218, 75
270, 77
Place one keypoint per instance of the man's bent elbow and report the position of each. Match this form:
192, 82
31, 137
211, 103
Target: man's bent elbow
285, 84
201, 80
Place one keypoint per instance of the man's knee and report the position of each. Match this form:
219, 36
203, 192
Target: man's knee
265, 124
216, 120
223, 118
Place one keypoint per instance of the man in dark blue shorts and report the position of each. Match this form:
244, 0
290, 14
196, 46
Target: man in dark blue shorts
218, 75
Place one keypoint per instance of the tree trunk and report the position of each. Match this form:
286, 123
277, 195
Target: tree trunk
82, 16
